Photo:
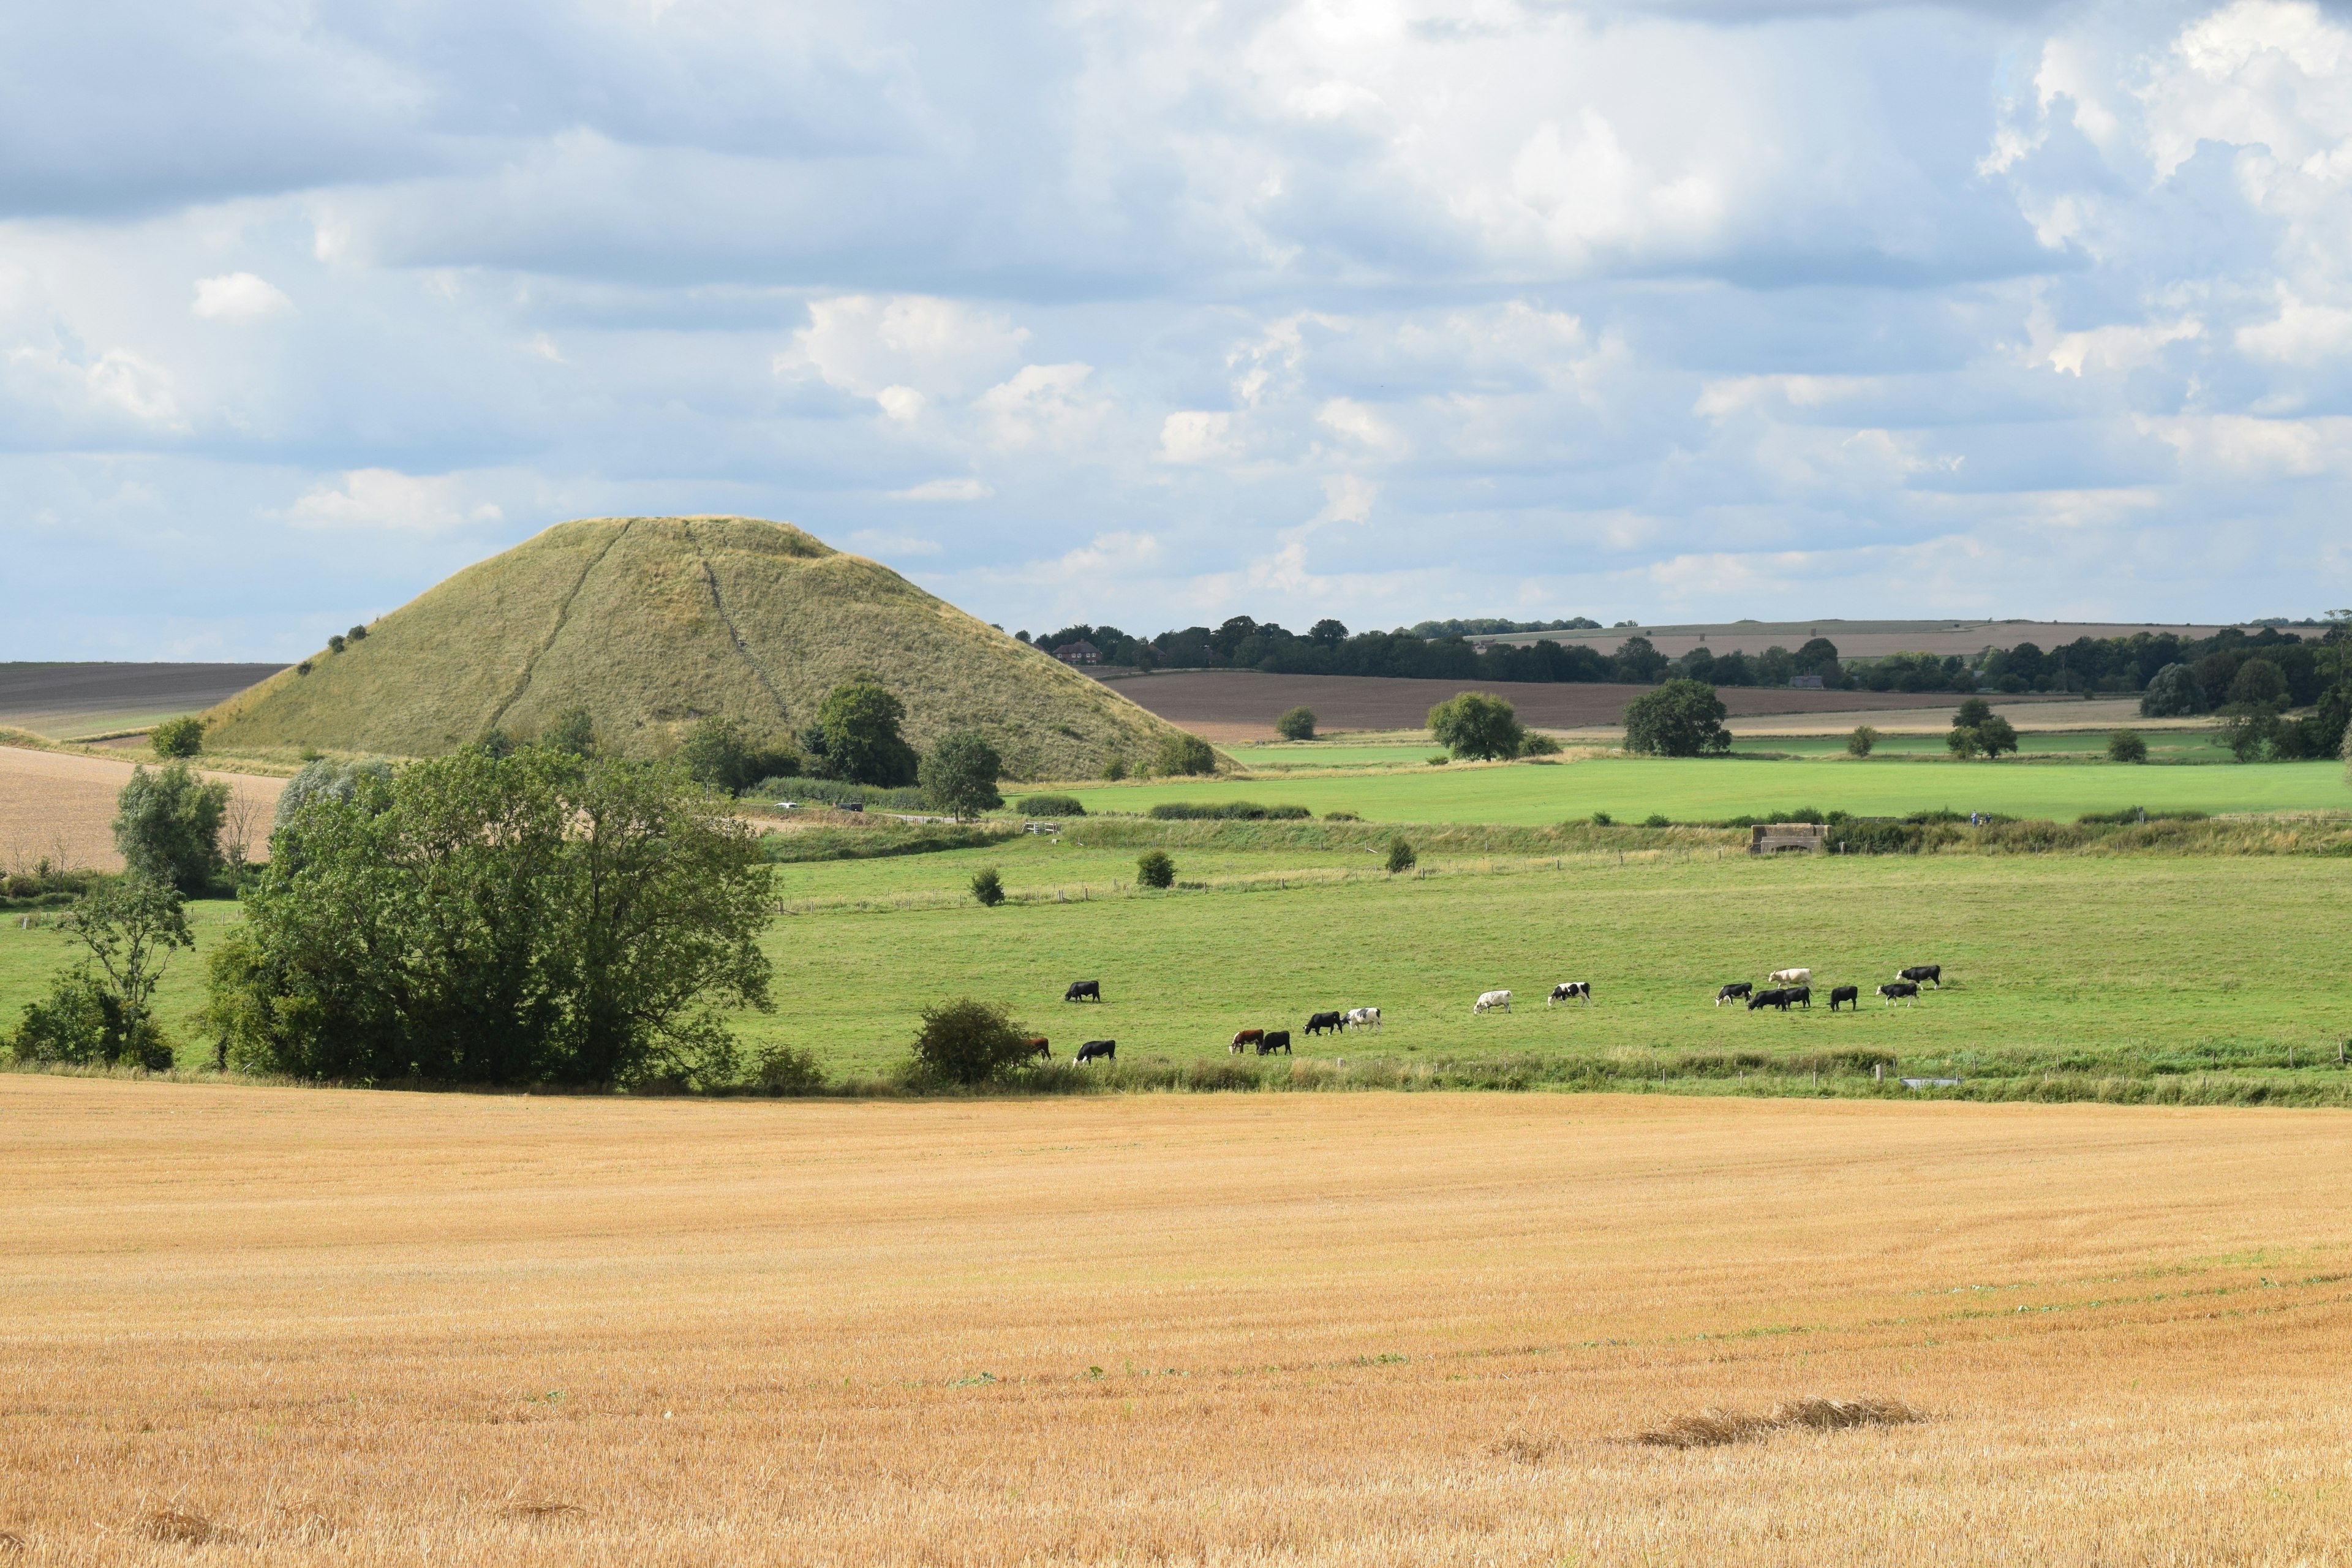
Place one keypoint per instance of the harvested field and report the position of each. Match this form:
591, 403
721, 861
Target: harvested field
60, 806
1228, 706
62, 702
294, 1327
1864, 639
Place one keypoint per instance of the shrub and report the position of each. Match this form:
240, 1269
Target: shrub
335, 644
988, 886
1601, 820
780, 1069
1477, 724
717, 752
1656, 819
1535, 744
1183, 753
1298, 724
303, 668
968, 1042
959, 775
1439, 762
357, 634
1053, 805
1962, 743
167, 825
1341, 817
572, 732
1227, 811
1680, 718
837, 792
1153, 868
1114, 770
1400, 856
2127, 746
1860, 742
182, 737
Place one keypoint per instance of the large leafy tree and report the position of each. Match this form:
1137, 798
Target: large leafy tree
856, 736
959, 774
1477, 724
533, 917
1680, 718
167, 825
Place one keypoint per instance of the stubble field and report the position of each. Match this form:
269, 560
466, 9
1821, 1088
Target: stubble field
60, 806
328, 1327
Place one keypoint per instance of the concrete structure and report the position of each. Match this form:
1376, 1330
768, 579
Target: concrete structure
1774, 838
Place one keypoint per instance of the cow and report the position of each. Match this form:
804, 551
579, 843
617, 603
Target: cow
1083, 991
1933, 974
1569, 990
1738, 991
1802, 995
1364, 1018
1327, 1023
1788, 977
1491, 1000
1851, 995
1246, 1037
1768, 999
1274, 1040
1037, 1047
1900, 988
1106, 1049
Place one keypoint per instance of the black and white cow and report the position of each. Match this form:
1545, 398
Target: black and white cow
1274, 1040
1083, 991
1768, 999
1571, 991
1909, 988
1738, 991
1851, 995
1327, 1023
1106, 1049
1933, 974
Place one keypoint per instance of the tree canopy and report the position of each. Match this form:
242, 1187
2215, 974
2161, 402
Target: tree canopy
1680, 718
1477, 724
167, 825
959, 774
855, 737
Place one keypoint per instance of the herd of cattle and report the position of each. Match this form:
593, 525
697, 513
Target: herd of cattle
1784, 989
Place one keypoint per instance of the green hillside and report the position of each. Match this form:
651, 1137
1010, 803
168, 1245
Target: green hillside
652, 623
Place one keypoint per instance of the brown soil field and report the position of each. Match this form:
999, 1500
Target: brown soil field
65, 700
60, 806
1864, 639
282, 1326
1228, 706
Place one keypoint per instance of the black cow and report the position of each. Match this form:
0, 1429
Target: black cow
1276, 1040
1900, 988
1933, 974
1106, 1049
1768, 999
1847, 994
1802, 995
1083, 991
1331, 1023
1738, 991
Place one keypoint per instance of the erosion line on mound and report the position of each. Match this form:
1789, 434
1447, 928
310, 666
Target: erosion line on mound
562, 618
710, 580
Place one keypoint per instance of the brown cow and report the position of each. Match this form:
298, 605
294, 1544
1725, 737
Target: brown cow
1245, 1040
1037, 1047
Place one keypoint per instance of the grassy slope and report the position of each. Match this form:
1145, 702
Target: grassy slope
653, 622
1712, 789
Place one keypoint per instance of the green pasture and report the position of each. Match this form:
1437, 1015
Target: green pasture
2163, 746
1711, 789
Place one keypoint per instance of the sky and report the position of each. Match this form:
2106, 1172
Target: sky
1154, 314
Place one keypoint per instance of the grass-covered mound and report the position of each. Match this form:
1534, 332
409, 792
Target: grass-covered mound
651, 622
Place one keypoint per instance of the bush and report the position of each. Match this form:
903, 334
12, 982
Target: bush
1477, 724
1053, 805
572, 732
1657, 819
1680, 718
2127, 746
959, 775
357, 634
717, 752
1184, 754
1601, 820
1860, 742
969, 1042
1227, 811
780, 1069
1536, 744
1153, 868
988, 886
336, 644
1341, 817
182, 737
328, 779
1962, 743
837, 792
1298, 724
1400, 856
1114, 770
167, 825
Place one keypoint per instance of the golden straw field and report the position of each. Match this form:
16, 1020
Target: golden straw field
252, 1325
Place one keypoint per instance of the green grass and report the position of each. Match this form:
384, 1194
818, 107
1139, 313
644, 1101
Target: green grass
2163, 746
1630, 788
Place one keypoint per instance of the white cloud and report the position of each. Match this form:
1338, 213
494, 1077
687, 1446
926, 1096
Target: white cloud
890, 347
117, 382
1347, 418
873, 542
1198, 436
385, 499
944, 490
2304, 333
1043, 405
239, 296
1346, 499
2115, 348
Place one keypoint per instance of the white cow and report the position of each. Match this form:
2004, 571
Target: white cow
1364, 1018
1571, 991
1492, 1000
1789, 977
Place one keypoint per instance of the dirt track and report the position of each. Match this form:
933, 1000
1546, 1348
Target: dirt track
1226, 706
60, 806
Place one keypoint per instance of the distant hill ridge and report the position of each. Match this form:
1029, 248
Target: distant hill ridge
652, 623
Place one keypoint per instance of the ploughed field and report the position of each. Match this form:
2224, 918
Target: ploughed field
62, 700
285, 1326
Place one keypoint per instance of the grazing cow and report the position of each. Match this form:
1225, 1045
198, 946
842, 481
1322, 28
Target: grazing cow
1247, 1037
1933, 974
1364, 1018
1569, 990
1802, 995
1038, 1048
1083, 991
1768, 999
1900, 988
1327, 1023
1274, 1040
1738, 991
1106, 1049
1788, 977
1490, 1001
1851, 995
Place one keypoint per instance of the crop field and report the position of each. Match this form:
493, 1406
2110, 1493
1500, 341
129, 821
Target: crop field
1714, 788
282, 1327
65, 700
60, 806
